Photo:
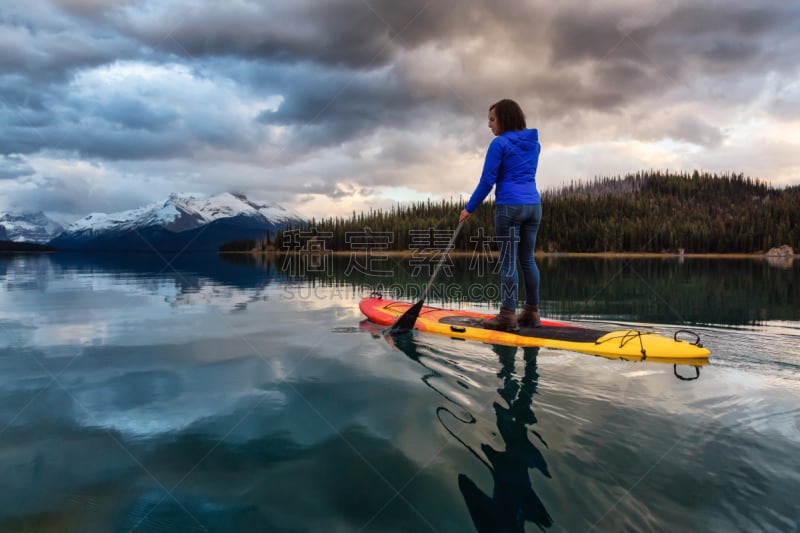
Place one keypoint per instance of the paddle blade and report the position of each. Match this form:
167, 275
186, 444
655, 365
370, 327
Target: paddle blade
406, 321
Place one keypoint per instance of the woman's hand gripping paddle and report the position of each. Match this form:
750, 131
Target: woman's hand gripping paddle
407, 320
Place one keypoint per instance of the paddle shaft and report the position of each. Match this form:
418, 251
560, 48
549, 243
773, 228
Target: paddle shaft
406, 321
441, 261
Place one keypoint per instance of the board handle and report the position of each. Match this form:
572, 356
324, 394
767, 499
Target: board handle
688, 332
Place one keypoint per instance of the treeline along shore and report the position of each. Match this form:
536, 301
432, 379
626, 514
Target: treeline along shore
647, 212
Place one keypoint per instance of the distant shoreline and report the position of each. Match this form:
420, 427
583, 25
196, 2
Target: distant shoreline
600, 255
458, 253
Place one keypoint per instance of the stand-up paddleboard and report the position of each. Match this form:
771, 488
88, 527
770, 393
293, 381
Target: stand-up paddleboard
623, 344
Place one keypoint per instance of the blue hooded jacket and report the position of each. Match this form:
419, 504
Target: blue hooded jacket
510, 167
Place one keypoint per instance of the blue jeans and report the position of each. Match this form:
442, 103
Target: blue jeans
516, 226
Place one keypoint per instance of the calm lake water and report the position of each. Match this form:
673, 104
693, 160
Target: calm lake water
140, 393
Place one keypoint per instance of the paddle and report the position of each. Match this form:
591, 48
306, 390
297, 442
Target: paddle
406, 321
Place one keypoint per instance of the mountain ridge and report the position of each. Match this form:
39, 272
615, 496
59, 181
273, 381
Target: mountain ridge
28, 226
183, 222
182, 212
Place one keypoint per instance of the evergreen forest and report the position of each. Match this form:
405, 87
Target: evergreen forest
646, 212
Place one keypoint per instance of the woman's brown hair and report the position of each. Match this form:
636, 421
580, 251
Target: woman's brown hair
509, 115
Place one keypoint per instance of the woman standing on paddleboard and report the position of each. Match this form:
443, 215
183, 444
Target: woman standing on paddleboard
510, 167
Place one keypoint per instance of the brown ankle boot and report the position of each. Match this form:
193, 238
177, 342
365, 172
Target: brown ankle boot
505, 320
529, 316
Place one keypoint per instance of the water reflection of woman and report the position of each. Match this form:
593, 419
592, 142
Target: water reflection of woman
513, 501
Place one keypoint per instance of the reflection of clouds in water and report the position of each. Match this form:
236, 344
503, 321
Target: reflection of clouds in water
133, 415
318, 297
134, 323
209, 386
95, 332
135, 390
145, 403
84, 292
35, 402
117, 318
173, 415
641, 373
207, 292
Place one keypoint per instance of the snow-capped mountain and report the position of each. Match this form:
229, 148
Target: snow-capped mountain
28, 227
182, 212
182, 222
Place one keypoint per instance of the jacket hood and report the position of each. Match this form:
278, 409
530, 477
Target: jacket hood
526, 140
529, 135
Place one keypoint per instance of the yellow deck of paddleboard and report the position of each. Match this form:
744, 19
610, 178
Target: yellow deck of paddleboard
623, 344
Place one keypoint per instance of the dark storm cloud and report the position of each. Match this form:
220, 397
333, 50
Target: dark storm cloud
343, 33
321, 56
40, 44
638, 60
121, 130
331, 62
14, 166
727, 33
137, 114
336, 107
724, 37
341, 97
93, 10
335, 63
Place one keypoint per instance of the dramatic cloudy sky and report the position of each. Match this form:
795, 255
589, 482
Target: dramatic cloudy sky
330, 106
